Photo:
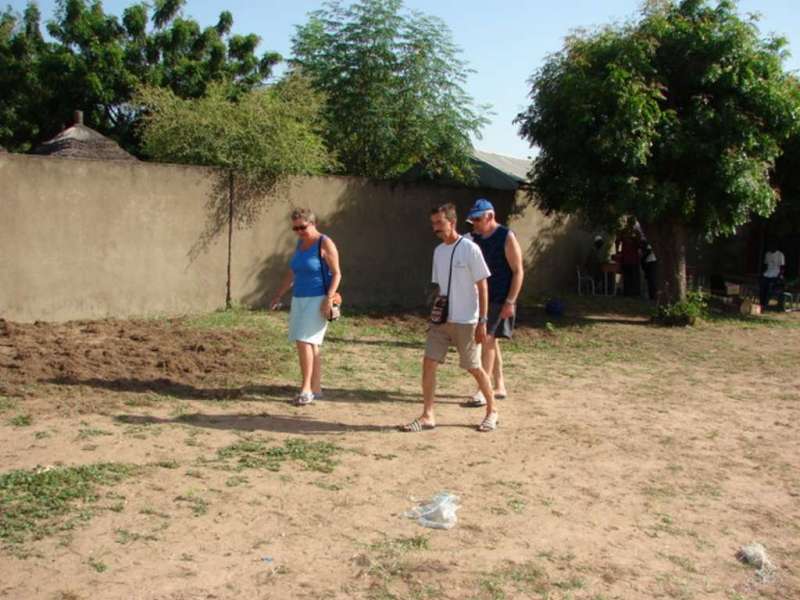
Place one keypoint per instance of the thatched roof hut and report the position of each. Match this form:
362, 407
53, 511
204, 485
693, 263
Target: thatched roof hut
80, 141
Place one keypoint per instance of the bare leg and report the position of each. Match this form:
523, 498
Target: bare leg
488, 350
497, 373
485, 385
305, 352
429, 367
316, 372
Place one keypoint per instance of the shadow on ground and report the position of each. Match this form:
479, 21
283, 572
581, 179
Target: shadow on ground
247, 393
265, 422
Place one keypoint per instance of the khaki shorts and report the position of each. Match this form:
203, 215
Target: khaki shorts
441, 337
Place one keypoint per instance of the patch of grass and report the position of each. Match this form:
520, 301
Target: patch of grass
97, 565
256, 454
511, 580
516, 505
198, 505
123, 536
152, 512
40, 435
21, 421
7, 404
38, 503
167, 464
388, 565
87, 432
331, 487
236, 480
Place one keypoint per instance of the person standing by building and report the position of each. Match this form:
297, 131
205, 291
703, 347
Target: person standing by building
459, 318
772, 278
628, 243
503, 256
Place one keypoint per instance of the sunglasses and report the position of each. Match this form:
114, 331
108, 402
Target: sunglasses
299, 227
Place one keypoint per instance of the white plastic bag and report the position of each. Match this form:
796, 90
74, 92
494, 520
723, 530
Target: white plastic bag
438, 513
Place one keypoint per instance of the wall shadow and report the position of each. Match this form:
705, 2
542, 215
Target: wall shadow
254, 392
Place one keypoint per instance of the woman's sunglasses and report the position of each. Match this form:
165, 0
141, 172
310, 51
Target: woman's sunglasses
299, 227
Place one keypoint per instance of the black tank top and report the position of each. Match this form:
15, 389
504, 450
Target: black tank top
494, 253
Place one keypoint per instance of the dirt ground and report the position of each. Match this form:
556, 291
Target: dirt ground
631, 461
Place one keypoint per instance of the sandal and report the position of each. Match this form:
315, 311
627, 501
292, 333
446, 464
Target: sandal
477, 400
416, 426
304, 399
489, 422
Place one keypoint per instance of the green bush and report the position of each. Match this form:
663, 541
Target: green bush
681, 314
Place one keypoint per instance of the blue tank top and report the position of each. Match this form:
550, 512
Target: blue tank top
307, 269
494, 253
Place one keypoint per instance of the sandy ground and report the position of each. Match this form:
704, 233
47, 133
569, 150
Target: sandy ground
631, 462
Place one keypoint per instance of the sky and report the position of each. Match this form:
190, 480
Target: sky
504, 41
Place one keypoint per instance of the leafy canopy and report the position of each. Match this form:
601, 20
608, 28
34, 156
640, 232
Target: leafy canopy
678, 117
96, 61
262, 137
394, 87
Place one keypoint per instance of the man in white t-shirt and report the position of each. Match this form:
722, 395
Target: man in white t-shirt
772, 278
465, 327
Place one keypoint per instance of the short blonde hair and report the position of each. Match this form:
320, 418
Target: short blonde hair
303, 214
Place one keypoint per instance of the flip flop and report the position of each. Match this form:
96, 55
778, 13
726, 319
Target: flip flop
415, 426
489, 423
303, 399
476, 401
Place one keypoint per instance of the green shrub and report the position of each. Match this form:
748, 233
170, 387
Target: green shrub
681, 314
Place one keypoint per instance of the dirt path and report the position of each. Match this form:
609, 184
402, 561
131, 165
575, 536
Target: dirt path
631, 462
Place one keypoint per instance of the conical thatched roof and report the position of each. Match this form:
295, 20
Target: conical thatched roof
80, 141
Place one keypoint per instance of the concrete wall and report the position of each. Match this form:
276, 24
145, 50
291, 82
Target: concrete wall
89, 239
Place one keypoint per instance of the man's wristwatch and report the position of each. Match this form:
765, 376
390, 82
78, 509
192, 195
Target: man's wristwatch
482, 320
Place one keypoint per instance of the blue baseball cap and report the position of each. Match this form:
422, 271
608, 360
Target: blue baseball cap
481, 206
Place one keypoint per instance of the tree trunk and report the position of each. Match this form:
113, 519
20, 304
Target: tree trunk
228, 302
669, 244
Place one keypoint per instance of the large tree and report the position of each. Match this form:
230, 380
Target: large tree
255, 141
677, 119
394, 87
95, 61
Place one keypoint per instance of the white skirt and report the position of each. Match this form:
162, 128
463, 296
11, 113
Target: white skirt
306, 323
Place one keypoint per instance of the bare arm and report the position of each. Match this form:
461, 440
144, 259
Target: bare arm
483, 309
286, 283
331, 255
514, 258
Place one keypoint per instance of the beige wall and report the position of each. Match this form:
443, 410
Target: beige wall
88, 239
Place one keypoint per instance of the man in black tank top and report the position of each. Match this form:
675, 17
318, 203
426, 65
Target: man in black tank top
503, 255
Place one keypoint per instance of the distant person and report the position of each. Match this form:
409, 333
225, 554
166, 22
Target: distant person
771, 281
459, 316
503, 256
628, 242
650, 269
314, 277
599, 255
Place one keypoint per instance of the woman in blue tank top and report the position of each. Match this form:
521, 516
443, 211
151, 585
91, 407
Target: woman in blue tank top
314, 277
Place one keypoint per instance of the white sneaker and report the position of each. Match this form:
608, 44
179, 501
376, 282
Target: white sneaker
478, 399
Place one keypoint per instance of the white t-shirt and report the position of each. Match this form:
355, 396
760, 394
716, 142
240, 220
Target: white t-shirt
469, 267
774, 261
